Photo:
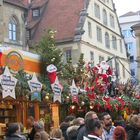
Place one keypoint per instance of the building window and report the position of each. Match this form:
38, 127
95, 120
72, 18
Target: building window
68, 55
110, 63
129, 47
97, 10
12, 27
107, 41
131, 58
101, 58
89, 30
127, 33
132, 72
121, 48
104, 17
91, 56
99, 34
117, 69
112, 21
36, 12
114, 42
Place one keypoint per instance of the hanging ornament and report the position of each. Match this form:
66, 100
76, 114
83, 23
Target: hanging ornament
74, 92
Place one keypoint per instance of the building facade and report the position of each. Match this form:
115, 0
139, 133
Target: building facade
126, 21
136, 29
90, 27
12, 23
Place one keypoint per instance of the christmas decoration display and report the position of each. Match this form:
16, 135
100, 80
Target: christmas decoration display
91, 87
102, 73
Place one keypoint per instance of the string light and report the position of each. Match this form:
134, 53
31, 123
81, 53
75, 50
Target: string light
47, 97
73, 107
91, 106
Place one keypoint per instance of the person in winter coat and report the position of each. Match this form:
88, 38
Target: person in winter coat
30, 124
108, 128
40, 133
13, 132
72, 132
64, 126
56, 134
119, 133
133, 128
94, 129
82, 129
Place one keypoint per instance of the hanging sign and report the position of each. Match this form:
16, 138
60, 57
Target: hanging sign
8, 83
35, 87
74, 92
14, 61
56, 86
57, 89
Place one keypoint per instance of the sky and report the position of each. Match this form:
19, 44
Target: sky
124, 6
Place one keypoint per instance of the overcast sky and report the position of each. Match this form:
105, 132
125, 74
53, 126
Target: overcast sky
124, 6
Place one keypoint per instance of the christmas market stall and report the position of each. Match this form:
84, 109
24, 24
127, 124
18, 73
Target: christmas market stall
20, 88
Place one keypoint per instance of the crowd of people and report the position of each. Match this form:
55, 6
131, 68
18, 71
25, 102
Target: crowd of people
92, 127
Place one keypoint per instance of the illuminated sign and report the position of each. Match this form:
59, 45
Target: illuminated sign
14, 61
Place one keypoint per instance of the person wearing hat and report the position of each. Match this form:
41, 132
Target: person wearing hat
40, 134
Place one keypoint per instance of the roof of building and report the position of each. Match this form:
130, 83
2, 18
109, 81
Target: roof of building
62, 17
136, 26
130, 13
38, 3
18, 3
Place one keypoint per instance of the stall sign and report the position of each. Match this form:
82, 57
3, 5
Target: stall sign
8, 83
35, 87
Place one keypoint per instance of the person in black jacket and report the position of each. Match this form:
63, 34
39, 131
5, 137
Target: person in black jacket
30, 123
72, 132
82, 129
13, 132
94, 129
133, 128
63, 127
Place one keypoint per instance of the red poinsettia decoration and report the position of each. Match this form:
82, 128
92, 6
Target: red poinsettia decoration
107, 99
90, 93
122, 102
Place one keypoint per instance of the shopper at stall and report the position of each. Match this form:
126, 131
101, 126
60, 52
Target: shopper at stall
13, 132
30, 125
108, 128
94, 129
119, 133
40, 133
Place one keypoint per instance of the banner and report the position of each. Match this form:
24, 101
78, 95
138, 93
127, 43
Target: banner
56, 86
8, 83
35, 87
57, 89
74, 92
